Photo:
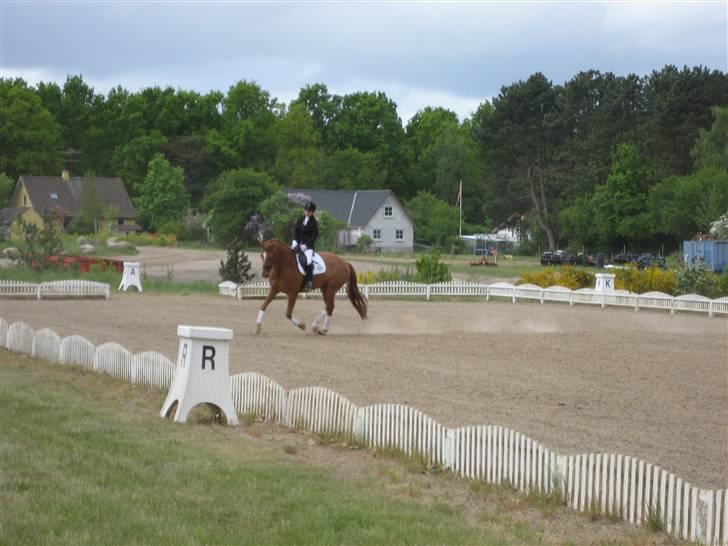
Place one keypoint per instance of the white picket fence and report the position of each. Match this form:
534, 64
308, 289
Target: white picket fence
523, 292
64, 289
608, 483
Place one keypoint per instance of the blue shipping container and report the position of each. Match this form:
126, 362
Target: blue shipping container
713, 253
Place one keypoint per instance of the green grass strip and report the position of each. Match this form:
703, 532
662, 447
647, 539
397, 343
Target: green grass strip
87, 460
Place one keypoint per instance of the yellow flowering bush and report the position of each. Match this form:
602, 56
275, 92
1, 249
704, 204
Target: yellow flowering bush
639, 281
567, 277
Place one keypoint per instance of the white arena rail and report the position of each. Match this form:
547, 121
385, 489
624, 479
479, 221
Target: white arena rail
691, 302
720, 306
255, 393
19, 289
320, 410
583, 296
20, 338
402, 428
3, 333
153, 369
69, 289
529, 292
77, 350
557, 294
501, 290
47, 345
114, 360
621, 486
75, 288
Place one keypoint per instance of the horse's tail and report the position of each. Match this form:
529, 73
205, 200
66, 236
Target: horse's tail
355, 296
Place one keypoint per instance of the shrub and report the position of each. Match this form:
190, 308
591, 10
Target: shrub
696, 278
366, 277
174, 227
195, 226
146, 239
431, 270
364, 243
236, 266
653, 279
38, 245
723, 283
567, 277
391, 274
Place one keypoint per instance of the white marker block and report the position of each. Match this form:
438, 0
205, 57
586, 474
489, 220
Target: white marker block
131, 276
605, 283
202, 374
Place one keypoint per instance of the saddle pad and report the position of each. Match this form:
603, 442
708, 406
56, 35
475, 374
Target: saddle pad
319, 266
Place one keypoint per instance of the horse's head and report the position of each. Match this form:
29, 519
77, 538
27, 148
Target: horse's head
273, 255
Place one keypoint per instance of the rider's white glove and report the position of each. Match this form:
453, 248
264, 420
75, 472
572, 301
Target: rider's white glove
304, 248
294, 245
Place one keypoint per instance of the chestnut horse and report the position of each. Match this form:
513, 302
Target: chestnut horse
279, 267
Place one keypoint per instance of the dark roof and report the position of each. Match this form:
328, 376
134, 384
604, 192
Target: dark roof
46, 191
355, 208
9, 214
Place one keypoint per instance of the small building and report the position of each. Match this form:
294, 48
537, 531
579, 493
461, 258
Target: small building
63, 193
499, 242
376, 213
713, 254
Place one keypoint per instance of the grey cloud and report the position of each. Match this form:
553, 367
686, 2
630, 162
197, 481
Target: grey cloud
464, 50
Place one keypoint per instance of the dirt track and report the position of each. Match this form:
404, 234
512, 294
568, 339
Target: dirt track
579, 379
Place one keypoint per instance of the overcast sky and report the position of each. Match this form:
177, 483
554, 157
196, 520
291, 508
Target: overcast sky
419, 53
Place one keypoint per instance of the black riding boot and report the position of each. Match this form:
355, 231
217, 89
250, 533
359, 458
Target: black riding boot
308, 279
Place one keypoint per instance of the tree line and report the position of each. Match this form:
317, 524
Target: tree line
601, 161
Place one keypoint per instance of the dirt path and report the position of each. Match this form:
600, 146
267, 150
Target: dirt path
578, 379
203, 265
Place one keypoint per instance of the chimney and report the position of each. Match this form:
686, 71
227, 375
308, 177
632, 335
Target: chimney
65, 175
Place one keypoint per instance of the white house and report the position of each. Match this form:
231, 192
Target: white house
377, 213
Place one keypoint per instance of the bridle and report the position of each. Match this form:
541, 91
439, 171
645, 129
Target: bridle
270, 261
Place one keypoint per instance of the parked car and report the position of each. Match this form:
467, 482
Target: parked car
647, 260
551, 258
625, 258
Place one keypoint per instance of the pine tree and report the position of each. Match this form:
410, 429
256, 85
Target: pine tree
236, 266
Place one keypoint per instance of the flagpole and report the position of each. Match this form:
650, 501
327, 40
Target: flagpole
460, 198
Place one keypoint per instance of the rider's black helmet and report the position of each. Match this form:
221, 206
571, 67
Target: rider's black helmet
310, 206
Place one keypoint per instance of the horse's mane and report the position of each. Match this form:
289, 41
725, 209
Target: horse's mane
284, 251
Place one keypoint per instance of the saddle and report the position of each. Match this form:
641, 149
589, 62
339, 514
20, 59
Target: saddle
319, 266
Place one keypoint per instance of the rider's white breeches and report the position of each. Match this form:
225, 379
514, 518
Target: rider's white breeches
309, 255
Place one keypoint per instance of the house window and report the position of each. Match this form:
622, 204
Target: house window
119, 221
387, 212
399, 235
25, 200
377, 234
54, 196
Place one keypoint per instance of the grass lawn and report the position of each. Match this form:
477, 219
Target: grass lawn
87, 460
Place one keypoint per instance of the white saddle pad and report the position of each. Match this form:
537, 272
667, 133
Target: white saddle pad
319, 266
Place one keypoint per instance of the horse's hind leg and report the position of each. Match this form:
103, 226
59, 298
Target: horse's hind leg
329, 298
319, 318
289, 312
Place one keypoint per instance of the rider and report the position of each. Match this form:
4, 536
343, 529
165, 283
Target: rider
304, 239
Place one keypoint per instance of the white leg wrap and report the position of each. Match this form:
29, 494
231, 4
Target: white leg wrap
261, 315
295, 321
319, 318
327, 322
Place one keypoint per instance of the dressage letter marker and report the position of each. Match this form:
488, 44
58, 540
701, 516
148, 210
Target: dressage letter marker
131, 276
605, 283
202, 375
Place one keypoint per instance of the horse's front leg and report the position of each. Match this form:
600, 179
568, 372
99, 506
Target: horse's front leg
289, 312
261, 314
